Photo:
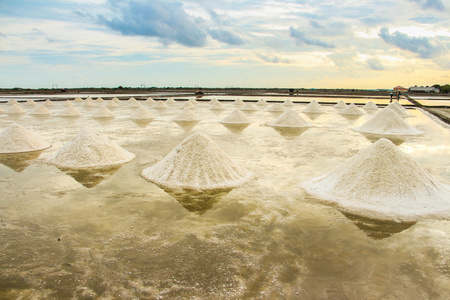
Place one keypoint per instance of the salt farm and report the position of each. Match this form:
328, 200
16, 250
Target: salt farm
223, 198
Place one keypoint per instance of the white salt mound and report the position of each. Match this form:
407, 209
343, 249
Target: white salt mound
161, 104
16, 139
149, 101
276, 107
382, 182
70, 112
117, 101
249, 107
387, 122
48, 102
370, 106
238, 101
171, 102
290, 119
99, 100
89, 102
217, 106
12, 102
111, 104
197, 163
89, 149
313, 109
288, 103
214, 101
189, 105
103, 112
142, 114
78, 100
41, 110
400, 110
15, 109
352, 109
187, 115
193, 101
131, 100
340, 105
236, 117
262, 102
134, 104
30, 103
68, 103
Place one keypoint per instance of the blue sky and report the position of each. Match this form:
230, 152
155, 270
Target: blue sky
224, 43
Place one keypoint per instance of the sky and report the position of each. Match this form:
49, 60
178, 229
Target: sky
361, 44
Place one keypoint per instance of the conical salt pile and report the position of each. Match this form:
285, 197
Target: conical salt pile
41, 110
89, 149
15, 109
352, 109
131, 100
150, 101
189, 105
68, 103
142, 114
400, 110
217, 106
249, 107
193, 101
89, 102
387, 122
111, 104
171, 102
116, 100
262, 102
16, 139
70, 111
290, 119
30, 103
238, 101
103, 112
187, 115
382, 182
78, 100
197, 163
288, 103
313, 109
12, 102
214, 101
48, 102
99, 100
89, 99
134, 104
236, 117
370, 106
340, 105
161, 105
276, 107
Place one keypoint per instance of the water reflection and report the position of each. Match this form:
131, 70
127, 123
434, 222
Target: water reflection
290, 132
377, 229
397, 140
236, 128
197, 201
351, 118
187, 125
312, 116
142, 123
90, 177
19, 161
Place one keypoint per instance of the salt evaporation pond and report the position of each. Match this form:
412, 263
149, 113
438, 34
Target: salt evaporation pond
127, 238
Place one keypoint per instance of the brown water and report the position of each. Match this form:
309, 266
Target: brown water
113, 235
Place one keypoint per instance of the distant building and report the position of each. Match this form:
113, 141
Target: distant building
400, 89
424, 89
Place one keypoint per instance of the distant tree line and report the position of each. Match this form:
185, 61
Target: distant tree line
445, 89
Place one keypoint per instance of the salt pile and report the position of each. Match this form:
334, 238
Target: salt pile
142, 114
217, 106
399, 109
288, 103
386, 122
161, 105
214, 101
30, 103
111, 104
171, 102
89, 149
103, 112
249, 107
134, 104
236, 117
187, 117
189, 105
370, 106
12, 102
262, 102
149, 101
382, 182
313, 107
41, 110
48, 102
15, 109
117, 101
68, 103
352, 109
89, 102
276, 107
89, 99
99, 100
193, 101
70, 112
78, 100
197, 163
340, 105
238, 101
290, 119
16, 139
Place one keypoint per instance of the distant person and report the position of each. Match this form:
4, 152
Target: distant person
391, 98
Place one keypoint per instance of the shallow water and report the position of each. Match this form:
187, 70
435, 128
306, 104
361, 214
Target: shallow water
118, 236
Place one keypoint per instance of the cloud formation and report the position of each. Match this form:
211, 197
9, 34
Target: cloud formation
425, 47
225, 36
375, 64
167, 21
273, 59
301, 39
430, 4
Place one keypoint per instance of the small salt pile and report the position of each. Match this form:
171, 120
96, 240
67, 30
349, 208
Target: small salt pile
142, 114
249, 107
103, 112
89, 99
89, 102
171, 102
16, 139
150, 101
313, 107
70, 111
262, 102
370, 106
288, 103
187, 117
214, 101
131, 100
276, 107
387, 123
41, 110
198, 164
134, 104
30, 103
111, 104
340, 105
382, 182
161, 105
290, 119
353, 110
12, 102
89, 149
78, 100
117, 101
68, 103
236, 117
238, 101
48, 102
189, 105
193, 101
399, 109
217, 106
100, 101
15, 109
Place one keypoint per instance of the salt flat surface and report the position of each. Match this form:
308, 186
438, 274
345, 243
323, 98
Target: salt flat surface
127, 238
